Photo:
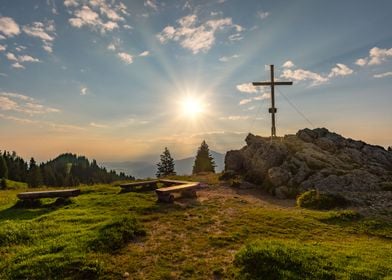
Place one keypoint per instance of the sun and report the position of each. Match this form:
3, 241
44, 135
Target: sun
192, 107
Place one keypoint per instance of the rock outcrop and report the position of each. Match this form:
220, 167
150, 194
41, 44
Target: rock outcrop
313, 159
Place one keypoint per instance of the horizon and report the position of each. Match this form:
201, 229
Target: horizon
120, 80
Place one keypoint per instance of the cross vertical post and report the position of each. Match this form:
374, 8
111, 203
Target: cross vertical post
273, 109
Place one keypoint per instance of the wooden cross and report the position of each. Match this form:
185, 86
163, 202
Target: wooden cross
272, 110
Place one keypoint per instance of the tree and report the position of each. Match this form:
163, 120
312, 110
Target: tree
166, 166
3, 168
35, 177
204, 162
390, 149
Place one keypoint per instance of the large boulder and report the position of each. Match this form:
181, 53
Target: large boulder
312, 159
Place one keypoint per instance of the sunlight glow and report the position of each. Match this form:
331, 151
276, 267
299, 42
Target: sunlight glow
192, 107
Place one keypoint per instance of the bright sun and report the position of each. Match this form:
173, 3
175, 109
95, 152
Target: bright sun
192, 107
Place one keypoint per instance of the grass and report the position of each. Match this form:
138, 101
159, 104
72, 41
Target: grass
102, 234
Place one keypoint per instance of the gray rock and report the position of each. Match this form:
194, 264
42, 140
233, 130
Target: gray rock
311, 159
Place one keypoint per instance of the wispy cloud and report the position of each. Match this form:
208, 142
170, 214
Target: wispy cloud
376, 57
8, 27
145, 53
247, 88
151, 4
340, 70
43, 31
228, 58
234, 118
194, 36
16, 102
288, 64
2, 48
19, 59
382, 75
98, 15
263, 14
245, 101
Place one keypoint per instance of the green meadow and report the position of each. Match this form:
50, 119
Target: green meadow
226, 233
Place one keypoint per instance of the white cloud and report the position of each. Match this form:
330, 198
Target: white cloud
383, 75
245, 101
145, 53
361, 61
83, 91
236, 37
376, 57
111, 47
71, 3
98, 125
16, 102
228, 58
151, 4
247, 88
43, 31
340, 70
127, 26
27, 58
234, 118
2, 37
11, 56
196, 38
19, 59
9, 27
262, 14
2, 48
304, 75
288, 64
265, 95
127, 58
99, 15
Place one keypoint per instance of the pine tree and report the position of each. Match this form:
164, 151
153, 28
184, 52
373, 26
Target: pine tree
35, 177
166, 166
3, 168
204, 162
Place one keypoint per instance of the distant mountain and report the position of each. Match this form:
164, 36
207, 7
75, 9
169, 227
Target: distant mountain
144, 169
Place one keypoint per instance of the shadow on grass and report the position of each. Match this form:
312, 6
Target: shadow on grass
28, 210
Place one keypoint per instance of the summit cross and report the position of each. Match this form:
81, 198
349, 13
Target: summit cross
273, 109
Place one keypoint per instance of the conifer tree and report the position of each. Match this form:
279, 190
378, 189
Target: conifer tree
166, 165
204, 162
3, 168
35, 177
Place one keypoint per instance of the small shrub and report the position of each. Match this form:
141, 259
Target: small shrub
313, 199
276, 260
117, 234
344, 216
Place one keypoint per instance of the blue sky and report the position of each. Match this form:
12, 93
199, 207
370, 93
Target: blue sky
120, 80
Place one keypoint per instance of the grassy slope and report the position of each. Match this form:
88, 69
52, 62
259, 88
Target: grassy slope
191, 239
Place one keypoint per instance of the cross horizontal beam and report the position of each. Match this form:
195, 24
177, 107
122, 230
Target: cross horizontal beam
269, 83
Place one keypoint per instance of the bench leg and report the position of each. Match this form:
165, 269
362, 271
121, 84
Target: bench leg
189, 193
167, 197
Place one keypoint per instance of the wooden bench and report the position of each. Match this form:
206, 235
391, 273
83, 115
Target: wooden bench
48, 194
145, 185
187, 189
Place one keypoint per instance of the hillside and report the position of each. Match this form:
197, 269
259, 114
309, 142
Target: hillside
146, 169
105, 234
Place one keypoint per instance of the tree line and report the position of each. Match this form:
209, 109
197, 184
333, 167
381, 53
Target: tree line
204, 162
65, 170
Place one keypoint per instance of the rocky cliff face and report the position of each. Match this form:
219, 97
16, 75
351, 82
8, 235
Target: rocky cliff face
315, 159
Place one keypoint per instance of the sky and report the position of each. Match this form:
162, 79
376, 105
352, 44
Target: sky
121, 80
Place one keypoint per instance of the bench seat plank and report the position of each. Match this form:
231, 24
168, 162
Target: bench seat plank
178, 188
49, 194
